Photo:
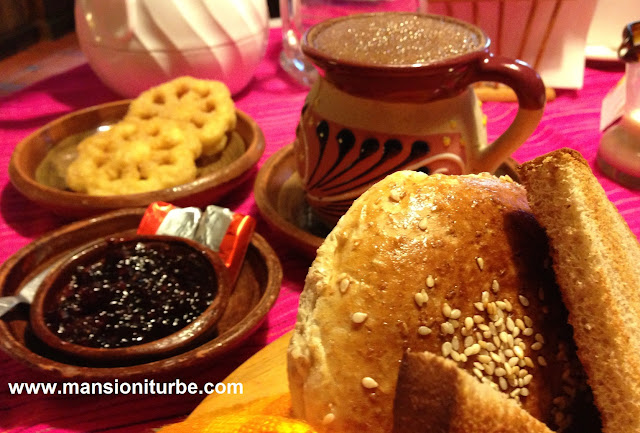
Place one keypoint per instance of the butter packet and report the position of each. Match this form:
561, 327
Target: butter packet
225, 232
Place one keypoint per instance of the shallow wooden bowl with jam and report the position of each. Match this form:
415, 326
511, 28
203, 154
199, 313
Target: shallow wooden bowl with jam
132, 298
39, 162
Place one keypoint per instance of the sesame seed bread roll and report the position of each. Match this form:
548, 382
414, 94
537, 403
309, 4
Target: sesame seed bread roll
454, 265
435, 392
597, 262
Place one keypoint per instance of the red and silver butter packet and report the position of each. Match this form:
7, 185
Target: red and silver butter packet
222, 230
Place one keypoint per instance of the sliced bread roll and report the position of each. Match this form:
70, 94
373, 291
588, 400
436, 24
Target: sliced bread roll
434, 395
597, 262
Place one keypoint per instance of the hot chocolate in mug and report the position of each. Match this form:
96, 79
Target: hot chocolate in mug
395, 93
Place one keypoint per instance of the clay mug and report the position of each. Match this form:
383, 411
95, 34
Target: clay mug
395, 93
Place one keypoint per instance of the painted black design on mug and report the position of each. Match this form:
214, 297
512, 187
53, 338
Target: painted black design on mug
419, 149
346, 141
391, 148
322, 133
368, 148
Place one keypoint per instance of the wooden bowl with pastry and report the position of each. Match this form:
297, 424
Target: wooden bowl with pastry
458, 304
182, 142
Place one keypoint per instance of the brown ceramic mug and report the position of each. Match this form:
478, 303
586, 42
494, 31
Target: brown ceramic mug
395, 94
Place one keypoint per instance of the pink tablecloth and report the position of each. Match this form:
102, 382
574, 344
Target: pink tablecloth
275, 102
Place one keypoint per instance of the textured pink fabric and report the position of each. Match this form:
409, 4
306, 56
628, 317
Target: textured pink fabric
275, 102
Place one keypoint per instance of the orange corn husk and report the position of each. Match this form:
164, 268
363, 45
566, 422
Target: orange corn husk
239, 423
273, 405
266, 415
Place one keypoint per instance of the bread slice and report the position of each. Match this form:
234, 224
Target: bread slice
597, 263
434, 395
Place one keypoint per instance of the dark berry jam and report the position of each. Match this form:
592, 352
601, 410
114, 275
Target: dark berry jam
136, 292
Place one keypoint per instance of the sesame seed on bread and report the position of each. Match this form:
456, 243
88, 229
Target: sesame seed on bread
453, 265
597, 262
435, 395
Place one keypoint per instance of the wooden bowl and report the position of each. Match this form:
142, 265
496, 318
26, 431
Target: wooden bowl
39, 162
47, 298
255, 292
280, 197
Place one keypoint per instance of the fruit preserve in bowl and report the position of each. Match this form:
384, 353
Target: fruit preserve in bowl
131, 298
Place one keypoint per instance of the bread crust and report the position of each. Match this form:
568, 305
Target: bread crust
597, 261
449, 237
434, 395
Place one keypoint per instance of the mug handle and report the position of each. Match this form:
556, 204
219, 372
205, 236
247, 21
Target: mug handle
530, 91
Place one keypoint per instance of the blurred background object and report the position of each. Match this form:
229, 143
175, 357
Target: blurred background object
619, 153
133, 45
25, 22
550, 35
606, 27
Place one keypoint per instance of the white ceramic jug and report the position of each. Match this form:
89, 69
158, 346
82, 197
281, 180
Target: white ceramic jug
136, 44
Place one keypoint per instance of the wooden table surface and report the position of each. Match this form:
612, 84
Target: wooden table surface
39, 61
